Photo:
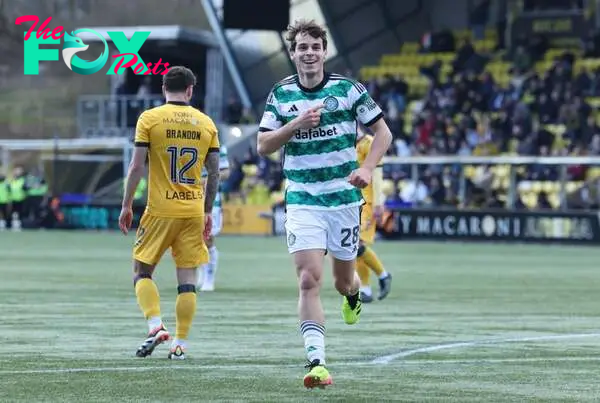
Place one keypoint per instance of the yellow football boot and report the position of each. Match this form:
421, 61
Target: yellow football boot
318, 376
350, 315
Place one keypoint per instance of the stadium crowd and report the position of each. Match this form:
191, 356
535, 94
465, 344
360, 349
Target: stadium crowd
466, 112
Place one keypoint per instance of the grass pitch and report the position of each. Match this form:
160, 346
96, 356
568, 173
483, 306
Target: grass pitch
485, 323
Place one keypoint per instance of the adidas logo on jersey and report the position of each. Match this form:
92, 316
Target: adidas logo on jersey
293, 109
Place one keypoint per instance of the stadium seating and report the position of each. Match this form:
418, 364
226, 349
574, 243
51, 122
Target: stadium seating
409, 60
407, 64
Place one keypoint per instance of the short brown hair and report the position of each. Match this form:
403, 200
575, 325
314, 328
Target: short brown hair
308, 28
178, 79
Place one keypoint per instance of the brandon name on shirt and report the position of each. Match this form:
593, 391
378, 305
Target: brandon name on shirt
183, 134
188, 195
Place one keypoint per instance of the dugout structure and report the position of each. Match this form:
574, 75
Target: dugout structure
71, 166
94, 168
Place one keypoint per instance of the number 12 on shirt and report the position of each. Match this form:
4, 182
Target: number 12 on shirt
177, 171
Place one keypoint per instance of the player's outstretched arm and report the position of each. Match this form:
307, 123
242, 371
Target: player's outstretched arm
270, 141
380, 145
212, 180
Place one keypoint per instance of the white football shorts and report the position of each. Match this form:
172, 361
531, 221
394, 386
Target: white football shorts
336, 231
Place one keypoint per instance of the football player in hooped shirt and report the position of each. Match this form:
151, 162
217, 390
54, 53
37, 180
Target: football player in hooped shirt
313, 114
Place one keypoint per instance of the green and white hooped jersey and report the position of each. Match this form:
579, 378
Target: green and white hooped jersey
318, 162
223, 164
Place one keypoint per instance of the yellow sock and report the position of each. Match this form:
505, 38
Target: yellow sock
148, 298
373, 261
185, 309
363, 272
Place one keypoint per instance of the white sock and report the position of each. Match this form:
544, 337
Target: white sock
178, 342
366, 290
314, 340
383, 275
211, 268
201, 274
154, 322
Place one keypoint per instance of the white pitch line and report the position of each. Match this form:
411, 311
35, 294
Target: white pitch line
479, 361
140, 368
380, 360
386, 359
515, 360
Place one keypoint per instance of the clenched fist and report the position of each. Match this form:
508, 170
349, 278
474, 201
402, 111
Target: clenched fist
309, 118
361, 177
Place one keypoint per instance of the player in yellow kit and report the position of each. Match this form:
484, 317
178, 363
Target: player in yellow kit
178, 141
367, 260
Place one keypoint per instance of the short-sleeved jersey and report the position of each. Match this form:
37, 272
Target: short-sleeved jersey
223, 165
178, 138
318, 162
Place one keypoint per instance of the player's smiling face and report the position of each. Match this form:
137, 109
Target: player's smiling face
309, 54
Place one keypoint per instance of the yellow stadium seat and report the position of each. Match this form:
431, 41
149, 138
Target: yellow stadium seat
496, 183
594, 102
572, 186
553, 53
391, 60
485, 45
554, 199
491, 34
503, 171
470, 171
387, 187
536, 187
542, 67
593, 173
532, 200
548, 186
556, 129
410, 47
401, 185
462, 33
529, 199
590, 64
446, 57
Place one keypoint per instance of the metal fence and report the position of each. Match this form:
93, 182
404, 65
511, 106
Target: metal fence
111, 116
507, 175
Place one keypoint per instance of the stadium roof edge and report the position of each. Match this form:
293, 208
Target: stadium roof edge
157, 33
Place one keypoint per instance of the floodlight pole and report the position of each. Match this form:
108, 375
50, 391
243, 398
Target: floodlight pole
219, 31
